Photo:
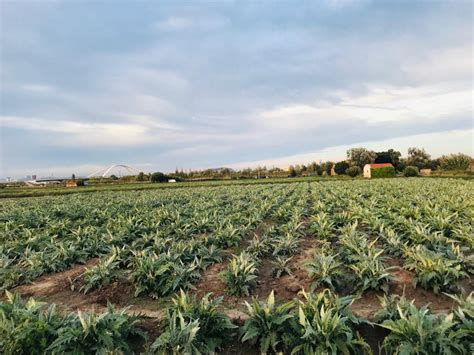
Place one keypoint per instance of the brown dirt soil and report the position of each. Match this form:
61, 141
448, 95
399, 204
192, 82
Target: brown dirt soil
52, 283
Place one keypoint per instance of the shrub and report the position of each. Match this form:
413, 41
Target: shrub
353, 171
455, 162
341, 167
411, 171
240, 277
159, 177
215, 328
385, 172
268, 324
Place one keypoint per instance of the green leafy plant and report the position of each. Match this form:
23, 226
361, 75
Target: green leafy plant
102, 274
179, 336
325, 270
325, 326
268, 323
281, 266
27, 327
215, 328
433, 271
418, 331
370, 272
99, 333
240, 276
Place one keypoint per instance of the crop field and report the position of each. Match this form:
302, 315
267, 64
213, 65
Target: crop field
351, 267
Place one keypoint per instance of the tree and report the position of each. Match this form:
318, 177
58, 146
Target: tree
292, 171
410, 171
455, 162
390, 156
141, 176
418, 157
361, 156
158, 177
73, 177
327, 167
341, 167
353, 171
113, 177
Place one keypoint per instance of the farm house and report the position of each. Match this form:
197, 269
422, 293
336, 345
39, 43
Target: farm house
369, 167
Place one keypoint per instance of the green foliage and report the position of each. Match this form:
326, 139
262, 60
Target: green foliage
321, 226
391, 306
464, 318
418, 331
325, 270
268, 323
411, 171
241, 275
341, 167
455, 162
326, 326
385, 172
281, 266
215, 328
433, 270
102, 274
179, 336
27, 327
32, 328
361, 156
160, 275
353, 171
159, 177
370, 272
100, 333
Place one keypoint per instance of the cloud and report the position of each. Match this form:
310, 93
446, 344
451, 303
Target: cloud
210, 84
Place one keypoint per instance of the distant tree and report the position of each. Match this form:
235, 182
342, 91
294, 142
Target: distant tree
353, 171
418, 157
319, 170
455, 162
361, 156
73, 176
292, 171
113, 177
141, 176
341, 167
158, 177
411, 171
390, 156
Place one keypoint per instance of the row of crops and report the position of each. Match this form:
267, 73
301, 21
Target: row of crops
163, 241
319, 323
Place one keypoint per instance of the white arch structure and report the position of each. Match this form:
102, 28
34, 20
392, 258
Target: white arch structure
105, 171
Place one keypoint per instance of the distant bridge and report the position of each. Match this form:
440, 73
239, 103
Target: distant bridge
103, 172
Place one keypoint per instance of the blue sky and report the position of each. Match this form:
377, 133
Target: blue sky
159, 85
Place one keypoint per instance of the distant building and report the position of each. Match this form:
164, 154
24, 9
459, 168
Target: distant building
172, 180
71, 183
425, 172
368, 168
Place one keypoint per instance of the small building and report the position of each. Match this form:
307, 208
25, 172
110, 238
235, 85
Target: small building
425, 172
172, 180
369, 167
71, 183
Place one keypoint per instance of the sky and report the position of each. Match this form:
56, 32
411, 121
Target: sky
201, 84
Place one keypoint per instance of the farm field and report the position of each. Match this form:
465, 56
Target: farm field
310, 267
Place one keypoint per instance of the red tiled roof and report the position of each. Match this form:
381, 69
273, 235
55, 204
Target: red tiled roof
380, 165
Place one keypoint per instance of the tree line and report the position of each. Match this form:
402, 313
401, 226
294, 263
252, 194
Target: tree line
415, 160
